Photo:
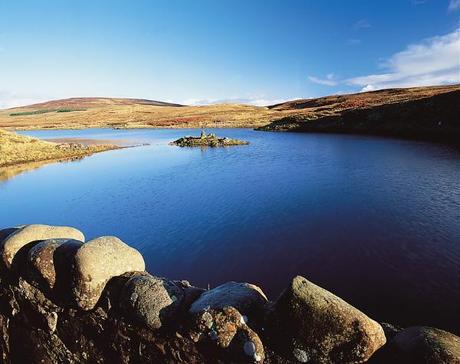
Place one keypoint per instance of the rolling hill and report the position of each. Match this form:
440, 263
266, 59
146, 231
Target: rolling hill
425, 112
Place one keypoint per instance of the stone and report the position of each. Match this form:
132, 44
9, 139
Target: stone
247, 298
41, 257
425, 345
96, 262
225, 330
150, 300
310, 324
207, 140
4, 233
31, 233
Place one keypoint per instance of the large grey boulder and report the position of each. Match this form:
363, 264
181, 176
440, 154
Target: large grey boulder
96, 262
151, 300
245, 297
30, 233
313, 325
425, 345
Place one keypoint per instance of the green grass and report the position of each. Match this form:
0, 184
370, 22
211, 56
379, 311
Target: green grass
44, 111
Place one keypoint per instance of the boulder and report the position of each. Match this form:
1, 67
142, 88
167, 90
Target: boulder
41, 258
150, 300
311, 324
96, 262
424, 345
226, 330
4, 233
31, 233
247, 298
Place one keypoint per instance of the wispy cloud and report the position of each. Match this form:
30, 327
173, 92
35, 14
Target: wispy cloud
454, 5
13, 99
434, 61
362, 24
254, 101
330, 80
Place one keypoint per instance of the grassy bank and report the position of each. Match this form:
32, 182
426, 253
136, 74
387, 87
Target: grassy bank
18, 149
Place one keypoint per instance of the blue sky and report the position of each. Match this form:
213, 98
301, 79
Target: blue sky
203, 51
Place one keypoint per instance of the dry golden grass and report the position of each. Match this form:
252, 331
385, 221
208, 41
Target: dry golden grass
82, 113
18, 149
134, 115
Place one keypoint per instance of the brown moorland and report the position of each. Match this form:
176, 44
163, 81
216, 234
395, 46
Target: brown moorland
426, 112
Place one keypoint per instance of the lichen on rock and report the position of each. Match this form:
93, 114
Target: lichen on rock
150, 300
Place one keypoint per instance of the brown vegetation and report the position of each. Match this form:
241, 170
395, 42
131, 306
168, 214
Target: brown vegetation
367, 112
18, 149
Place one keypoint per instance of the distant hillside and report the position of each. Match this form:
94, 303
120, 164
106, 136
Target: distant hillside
78, 113
422, 112
427, 112
89, 102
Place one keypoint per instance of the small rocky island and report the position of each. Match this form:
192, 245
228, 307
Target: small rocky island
67, 300
207, 140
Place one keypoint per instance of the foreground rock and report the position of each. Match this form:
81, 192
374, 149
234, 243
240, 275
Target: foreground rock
151, 300
96, 262
424, 345
32, 233
247, 298
41, 258
207, 140
226, 329
313, 325
72, 302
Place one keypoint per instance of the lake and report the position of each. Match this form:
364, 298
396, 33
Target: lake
374, 220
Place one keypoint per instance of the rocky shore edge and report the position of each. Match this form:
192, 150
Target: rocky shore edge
64, 300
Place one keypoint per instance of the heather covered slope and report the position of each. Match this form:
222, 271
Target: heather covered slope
424, 112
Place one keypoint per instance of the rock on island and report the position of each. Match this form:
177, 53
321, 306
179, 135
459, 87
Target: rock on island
207, 140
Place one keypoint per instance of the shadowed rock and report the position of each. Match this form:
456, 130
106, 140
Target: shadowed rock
424, 345
4, 233
245, 297
30, 233
96, 262
150, 300
313, 325
41, 257
226, 329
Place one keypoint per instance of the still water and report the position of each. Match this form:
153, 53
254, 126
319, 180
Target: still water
374, 220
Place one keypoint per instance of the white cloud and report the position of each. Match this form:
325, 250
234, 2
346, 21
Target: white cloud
434, 61
454, 5
10, 99
328, 81
254, 101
